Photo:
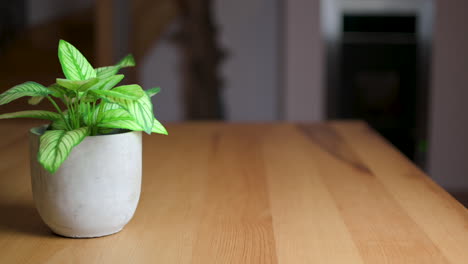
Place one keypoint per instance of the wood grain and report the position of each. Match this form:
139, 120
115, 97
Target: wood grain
252, 193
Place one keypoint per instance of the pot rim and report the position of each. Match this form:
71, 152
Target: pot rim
39, 131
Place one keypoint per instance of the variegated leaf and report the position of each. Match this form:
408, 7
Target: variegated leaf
79, 86
35, 100
115, 115
123, 124
40, 114
118, 118
131, 92
108, 71
153, 91
21, 90
108, 83
158, 128
127, 61
141, 110
84, 111
57, 90
102, 108
59, 124
105, 106
74, 64
132, 125
56, 145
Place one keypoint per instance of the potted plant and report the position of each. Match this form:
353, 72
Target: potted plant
86, 164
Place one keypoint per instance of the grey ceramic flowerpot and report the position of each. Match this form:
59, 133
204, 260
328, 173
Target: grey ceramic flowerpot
96, 190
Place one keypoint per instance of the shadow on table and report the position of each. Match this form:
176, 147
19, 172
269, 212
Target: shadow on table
462, 197
22, 218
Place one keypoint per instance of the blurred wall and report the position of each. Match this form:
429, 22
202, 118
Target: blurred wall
304, 95
161, 68
448, 161
40, 11
249, 32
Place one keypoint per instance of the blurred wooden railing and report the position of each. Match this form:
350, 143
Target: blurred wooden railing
97, 33
147, 21
32, 55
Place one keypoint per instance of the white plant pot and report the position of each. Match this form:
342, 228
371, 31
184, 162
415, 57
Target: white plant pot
96, 190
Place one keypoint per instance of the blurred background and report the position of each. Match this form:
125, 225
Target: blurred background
400, 65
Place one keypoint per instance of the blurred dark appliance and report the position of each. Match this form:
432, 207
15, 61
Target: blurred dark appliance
379, 78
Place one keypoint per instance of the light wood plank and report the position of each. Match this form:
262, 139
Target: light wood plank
252, 193
236, 223
441, 217
307, 224
381, 230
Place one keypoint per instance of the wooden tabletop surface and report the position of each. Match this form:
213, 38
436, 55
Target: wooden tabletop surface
252, 193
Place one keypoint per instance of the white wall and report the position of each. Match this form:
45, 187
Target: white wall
448, 161
161, 68
304, 58
249, 31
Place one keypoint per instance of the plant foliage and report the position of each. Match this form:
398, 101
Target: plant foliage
94, 105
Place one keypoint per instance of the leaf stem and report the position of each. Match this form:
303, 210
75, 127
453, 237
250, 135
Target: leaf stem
69, 104
74, 105
91, 113
59, 111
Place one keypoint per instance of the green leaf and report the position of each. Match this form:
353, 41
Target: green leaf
132, 125
89, 98
115, 115
108, 106
40, 114
158, 128
127, 61
118, 118
141, 110
153, 91
35, 100
57, 90
103, 84
56, 145
79, 86
131, 92
103, 108
21, 90
107, 83
84, 113
59, 124
124, 124
108, 71
74, 64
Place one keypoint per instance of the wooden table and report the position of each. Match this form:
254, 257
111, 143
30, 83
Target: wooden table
253, 193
